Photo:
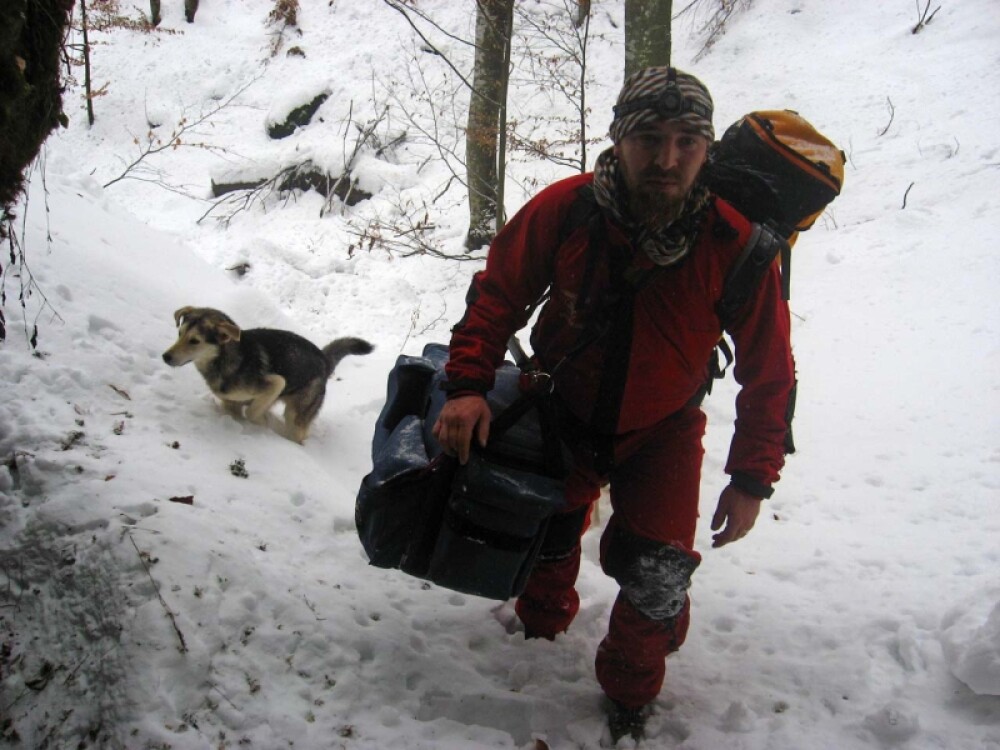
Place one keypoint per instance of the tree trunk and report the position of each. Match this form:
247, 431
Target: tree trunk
487, 110
190, 8
154, 13
87, 91
647, 34
584, 37
31, 35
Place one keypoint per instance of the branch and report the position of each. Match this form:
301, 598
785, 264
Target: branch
892, 114
468, 84
923, 18
447, 152
715, 26
175, 138
255, 193
396, 7
364, 136
173, 620
404, 236
27, 284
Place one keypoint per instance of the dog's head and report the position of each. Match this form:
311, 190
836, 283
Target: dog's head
202, 332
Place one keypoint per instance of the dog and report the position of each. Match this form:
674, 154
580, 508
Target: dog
250, 370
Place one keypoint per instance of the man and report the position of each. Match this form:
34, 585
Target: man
626, 334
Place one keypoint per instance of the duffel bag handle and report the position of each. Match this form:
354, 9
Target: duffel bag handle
536, 394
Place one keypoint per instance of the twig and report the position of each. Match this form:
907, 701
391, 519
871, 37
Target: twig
907, 193
414, 317
84, 660
923, 18
66, 713
404, 12
364, 136
175, 138
312, 608
173, 619
26, 279
224, 697
249, 196
715, 26
892, 114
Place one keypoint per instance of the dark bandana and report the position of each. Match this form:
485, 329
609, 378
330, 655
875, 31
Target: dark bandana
663, 245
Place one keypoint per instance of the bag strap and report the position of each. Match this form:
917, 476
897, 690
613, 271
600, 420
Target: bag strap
748, 271
540, 400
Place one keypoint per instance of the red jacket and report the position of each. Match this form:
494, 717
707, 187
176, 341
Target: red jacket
654, 358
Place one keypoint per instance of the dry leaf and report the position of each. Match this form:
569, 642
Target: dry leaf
120, 391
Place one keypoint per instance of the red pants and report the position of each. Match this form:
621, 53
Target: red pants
654, 482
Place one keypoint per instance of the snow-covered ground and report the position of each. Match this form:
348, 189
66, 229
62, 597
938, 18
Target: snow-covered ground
863, 611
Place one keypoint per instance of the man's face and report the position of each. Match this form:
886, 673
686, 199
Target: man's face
660, 161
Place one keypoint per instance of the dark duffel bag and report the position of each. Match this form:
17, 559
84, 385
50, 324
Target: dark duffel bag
476, 528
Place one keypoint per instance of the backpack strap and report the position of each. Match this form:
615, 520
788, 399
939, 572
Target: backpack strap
581, 211
584, 211
748, 270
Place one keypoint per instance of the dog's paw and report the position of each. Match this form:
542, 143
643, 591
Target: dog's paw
233, 409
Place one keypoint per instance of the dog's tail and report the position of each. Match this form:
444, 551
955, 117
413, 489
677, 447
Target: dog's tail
337, 349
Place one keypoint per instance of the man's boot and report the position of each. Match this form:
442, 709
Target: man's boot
622, 721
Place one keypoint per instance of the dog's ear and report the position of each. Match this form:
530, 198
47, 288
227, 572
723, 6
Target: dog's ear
179, 315
228, 332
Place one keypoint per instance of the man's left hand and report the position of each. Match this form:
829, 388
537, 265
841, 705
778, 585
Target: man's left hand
738, 510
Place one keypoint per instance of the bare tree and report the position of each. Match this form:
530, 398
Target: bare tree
487, 120
99, 15
647, 34
548, 51
550, 57
190, 8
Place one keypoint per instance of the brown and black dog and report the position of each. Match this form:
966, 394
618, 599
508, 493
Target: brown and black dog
250, 370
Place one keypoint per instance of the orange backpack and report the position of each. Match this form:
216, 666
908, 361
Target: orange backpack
776, 169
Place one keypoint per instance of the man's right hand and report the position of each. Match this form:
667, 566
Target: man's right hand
460, 419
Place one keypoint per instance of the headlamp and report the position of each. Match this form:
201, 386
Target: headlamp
669, 104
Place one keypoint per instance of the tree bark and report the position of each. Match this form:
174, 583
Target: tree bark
487, 112
647, 34
31, 35
87, 91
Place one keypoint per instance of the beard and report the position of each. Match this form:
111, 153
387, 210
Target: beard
650, 208
654, 210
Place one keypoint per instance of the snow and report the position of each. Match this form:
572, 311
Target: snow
970, 634
151, 597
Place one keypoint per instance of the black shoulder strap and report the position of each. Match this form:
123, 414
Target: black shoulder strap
582, 210
749, 269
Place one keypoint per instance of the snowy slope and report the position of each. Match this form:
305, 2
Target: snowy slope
861, 613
